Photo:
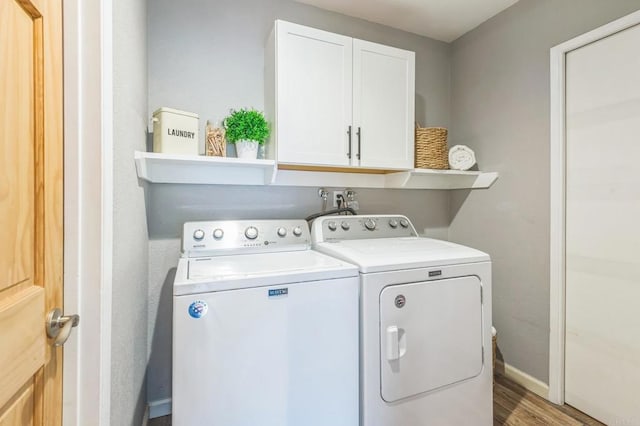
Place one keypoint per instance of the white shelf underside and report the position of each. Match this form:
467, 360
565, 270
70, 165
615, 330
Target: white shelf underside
163, 168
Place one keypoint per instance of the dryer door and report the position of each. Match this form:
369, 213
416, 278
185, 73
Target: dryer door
430, 335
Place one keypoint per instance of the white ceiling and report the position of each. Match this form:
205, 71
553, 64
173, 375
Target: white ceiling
444, 20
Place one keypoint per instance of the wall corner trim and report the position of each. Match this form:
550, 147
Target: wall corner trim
145, 418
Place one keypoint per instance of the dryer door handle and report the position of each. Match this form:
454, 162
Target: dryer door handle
393, 343
396, 343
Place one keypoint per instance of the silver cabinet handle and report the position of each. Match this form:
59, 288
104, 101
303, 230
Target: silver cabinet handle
349, 152
359, 133
59, 326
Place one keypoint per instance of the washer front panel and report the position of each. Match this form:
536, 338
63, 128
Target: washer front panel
268, 356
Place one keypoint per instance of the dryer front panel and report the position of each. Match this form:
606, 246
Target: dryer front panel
430, 335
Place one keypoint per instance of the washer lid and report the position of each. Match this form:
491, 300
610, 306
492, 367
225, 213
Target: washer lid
391, 254
202, 275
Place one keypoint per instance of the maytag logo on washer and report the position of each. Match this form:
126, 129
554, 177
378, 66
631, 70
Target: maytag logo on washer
198, 309
277, 292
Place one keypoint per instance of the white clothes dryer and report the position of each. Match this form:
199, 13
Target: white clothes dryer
265, 330
425, 326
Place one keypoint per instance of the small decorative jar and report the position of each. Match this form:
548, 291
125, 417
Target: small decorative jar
215, 143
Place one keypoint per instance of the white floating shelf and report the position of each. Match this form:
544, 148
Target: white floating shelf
197, 169
440, 179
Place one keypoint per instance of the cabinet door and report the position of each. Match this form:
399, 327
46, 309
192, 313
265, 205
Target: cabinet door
314, 95
383, 105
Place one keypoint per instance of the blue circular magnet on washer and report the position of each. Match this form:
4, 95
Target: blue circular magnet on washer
198, 309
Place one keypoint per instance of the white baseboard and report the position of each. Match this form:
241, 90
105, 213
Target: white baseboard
159, 408
523, 379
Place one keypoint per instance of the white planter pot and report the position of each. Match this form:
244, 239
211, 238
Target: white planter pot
247, 149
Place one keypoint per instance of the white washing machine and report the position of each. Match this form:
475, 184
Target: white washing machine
265, 330
425, 322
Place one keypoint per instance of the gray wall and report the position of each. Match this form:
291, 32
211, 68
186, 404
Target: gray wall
500, 108
130, 242
208, 57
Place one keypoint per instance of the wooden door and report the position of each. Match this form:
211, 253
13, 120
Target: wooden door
602, 359
313, 95
30, 209
383, 105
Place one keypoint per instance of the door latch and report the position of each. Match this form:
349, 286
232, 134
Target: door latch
59, 326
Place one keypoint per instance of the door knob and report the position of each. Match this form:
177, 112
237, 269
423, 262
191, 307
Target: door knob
59, 326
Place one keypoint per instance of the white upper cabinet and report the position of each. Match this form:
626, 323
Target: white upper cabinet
383, 105
313, 95
335, 101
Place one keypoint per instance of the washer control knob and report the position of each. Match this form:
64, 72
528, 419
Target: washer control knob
218, 233
282, 232
345, 226
297, 231
404, 223
198, 234
332, 226
251, 233
370, 224
393, 223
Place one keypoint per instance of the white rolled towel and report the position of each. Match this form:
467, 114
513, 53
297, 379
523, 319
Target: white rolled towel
461, 157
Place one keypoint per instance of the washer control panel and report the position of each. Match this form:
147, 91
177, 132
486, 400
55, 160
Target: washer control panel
224, 237
332, 228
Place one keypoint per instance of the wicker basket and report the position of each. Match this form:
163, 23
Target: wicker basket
431, 148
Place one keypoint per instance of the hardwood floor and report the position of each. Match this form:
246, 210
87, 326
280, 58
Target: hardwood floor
160, 421
513, 405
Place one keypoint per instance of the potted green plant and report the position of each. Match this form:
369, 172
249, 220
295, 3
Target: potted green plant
246, 128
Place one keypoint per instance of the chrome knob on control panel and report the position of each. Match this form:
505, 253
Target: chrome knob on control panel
393, 223
198, 234
218, 233
332, 226
404, 223
282, 232
345, 226
370, 224
297, 231
251, 233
